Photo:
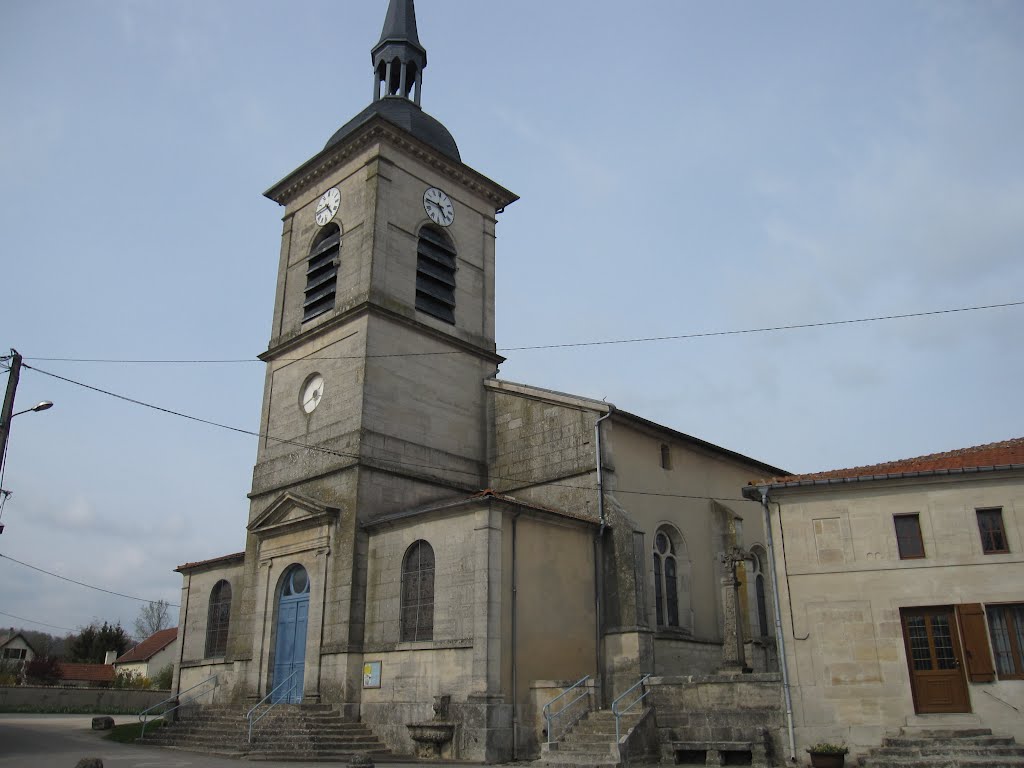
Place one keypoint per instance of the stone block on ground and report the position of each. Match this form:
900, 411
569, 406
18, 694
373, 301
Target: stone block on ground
103, 723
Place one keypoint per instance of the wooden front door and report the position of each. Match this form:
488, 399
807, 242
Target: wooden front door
934, 657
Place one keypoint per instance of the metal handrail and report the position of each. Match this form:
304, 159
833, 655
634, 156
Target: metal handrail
144, 714
615, 704
549, 716
253, 720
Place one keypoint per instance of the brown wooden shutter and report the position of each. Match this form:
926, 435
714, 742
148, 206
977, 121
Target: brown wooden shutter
976, 648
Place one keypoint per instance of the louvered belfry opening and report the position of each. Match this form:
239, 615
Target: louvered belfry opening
435, 275
322, 273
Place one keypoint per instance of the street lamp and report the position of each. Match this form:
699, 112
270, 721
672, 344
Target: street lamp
44, 405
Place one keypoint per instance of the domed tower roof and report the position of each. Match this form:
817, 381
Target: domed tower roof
398, 63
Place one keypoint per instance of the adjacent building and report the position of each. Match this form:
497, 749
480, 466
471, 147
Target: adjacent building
901, 591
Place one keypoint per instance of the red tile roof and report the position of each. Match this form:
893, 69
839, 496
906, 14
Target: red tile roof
222, 560
87, 673
1003, 454
149, 647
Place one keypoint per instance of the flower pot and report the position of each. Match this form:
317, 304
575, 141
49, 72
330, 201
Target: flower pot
827, 760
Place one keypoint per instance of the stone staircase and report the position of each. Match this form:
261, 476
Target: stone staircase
294, 731
960, 748
590, 743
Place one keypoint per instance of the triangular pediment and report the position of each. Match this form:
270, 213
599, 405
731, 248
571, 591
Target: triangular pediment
292, 510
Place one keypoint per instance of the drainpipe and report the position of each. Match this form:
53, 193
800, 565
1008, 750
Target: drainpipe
182, 623
600, 467
515, 693
598, 554
762, 492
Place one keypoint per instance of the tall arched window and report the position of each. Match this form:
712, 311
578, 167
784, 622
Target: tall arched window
671, 580
217, 620
759, 608
435, 275
418, 593
322, 272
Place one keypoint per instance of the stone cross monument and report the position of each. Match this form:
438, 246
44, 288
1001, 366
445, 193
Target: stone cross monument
733, 660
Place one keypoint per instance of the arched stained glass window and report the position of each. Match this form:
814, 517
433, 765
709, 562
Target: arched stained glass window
217, 620
417, 620
759, 617
671, 580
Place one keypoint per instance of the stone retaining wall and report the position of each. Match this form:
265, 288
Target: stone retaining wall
31, 698
719, 708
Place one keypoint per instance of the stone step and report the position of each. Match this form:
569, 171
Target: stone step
944, 762
587, 746
911, 742
575, 761
951, 750
311, 732
964, 747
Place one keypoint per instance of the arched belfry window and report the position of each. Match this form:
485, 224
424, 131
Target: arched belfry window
671, 580
322, 272
217, 619
418, 593
435, 275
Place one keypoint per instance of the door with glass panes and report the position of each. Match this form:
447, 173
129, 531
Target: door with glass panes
934, 657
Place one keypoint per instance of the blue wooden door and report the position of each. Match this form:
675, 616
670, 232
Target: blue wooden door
290, 651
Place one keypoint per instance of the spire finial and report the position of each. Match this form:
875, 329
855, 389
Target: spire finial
398, 58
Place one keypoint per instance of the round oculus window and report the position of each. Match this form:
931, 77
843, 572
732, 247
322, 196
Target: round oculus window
312, 393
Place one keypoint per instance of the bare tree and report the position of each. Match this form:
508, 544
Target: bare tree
152, 618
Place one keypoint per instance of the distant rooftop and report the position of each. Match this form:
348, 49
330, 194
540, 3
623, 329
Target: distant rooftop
149, 647
88, 673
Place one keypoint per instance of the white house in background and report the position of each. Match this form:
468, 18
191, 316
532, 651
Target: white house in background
14, 647
150, 656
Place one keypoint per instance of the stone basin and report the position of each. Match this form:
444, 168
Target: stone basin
430, 736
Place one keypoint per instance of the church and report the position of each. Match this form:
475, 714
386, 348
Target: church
420, 527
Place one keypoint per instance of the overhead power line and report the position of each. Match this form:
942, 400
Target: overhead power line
33, 621
345, 455
82, 583
564, 345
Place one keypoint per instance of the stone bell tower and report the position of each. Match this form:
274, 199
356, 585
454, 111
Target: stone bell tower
383, 333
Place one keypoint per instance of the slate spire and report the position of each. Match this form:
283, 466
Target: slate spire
398, 58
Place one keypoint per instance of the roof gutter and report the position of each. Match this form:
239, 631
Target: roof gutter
760, 493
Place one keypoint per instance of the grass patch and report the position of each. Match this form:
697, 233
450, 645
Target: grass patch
129, 732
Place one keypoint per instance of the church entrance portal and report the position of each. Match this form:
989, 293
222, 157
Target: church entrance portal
290, 651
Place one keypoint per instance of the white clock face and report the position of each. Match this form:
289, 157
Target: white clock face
438, 207
328, 205
312, 393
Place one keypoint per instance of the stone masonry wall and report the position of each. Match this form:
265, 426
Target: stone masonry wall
719, 708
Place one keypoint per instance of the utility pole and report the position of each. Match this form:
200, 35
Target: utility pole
8, 410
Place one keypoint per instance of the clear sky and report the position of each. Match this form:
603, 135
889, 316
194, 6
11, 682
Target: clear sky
684, 167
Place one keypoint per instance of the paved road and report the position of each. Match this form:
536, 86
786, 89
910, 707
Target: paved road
60, 741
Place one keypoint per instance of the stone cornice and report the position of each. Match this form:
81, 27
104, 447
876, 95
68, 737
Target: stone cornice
368, 307
379, 129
